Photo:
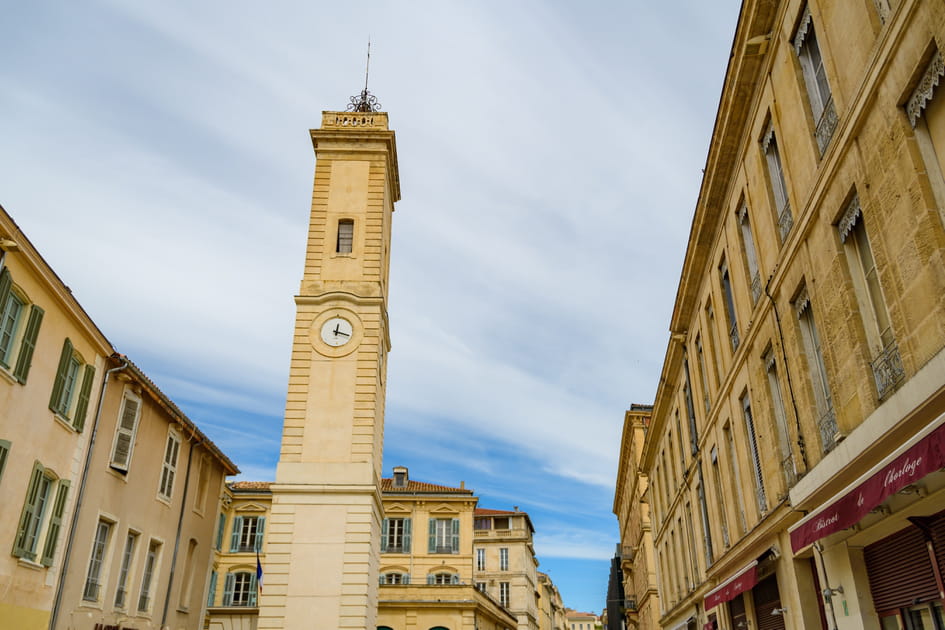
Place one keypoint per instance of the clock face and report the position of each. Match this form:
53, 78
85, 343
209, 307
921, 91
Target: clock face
336, 332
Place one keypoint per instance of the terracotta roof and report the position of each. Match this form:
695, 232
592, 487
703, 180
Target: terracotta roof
421, 487
249, 485
488, 512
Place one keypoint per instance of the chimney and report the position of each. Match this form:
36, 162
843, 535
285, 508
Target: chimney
400, 476
462, 485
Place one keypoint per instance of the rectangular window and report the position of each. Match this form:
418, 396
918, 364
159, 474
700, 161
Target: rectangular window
704, 514
212, 590
13, 306
926, 112
72, 387
780, 418
826, 421
34, 510
690, 410
247, 535
169, 468
736, 475
501, 522
713, 341
150, 567
4, 452
9, 323
504, 559
481, 587
504, 593
782, 207
395, 578
480, 559
719, 500
815, 80
482, 523
93, 578
703, 378
345, 236
127, 556
125, 432
240, 589
755, 455
203, 483
444, 535
726, 283
395, 535
751, 256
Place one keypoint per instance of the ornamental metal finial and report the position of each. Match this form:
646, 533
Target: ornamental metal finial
364, 102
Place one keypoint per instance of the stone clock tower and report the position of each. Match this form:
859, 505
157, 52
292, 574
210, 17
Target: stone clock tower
323, 540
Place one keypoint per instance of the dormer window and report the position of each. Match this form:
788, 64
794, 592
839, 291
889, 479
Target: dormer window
400, 477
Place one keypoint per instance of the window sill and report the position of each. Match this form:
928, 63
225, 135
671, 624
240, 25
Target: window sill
26, 563
7, 376
92, 605
65, 422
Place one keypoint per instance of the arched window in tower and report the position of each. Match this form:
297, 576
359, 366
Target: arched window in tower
345, 236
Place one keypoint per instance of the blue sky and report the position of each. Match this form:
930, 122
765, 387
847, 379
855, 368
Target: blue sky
550, 157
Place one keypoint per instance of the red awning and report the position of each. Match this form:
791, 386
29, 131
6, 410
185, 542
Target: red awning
924, 457
731, 588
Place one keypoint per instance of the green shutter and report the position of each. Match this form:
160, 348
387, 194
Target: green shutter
221, 525
432, 546
52, 537
454, 579
4, 453
252, 589
260, 528
407, 547
406, 578
6, 283
83, 405
385, 528
235, 534
212, 591
455, 528
26, 516
25, 358
431, 579
60, 381
228, 584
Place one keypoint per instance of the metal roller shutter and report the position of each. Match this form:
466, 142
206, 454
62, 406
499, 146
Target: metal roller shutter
899, 570
767, 598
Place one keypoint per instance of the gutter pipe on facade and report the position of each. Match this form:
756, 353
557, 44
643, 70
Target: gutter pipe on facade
60, 583
787, 371
192, 440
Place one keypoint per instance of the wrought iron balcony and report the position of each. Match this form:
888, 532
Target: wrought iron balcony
785, 221
826, 126
887, 370
733, 334
756, 287
828, 430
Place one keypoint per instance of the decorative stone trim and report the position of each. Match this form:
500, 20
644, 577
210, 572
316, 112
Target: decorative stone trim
767, 137
887, 370
826, 126
785, 221
849, 218
802, 301
802, 29
926, 88
743, 212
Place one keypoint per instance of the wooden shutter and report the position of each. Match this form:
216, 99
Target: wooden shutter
407, 547
432, 546
25, 359
455, 532
84, 394
252, 589
767, 597
212, 591
221, 525
6, 283
899, 570
4, 452
385, 529
454, 579
260, 528
235, 534
431, 579
26, 516
124, 440
228, 589
60, 380
55, 524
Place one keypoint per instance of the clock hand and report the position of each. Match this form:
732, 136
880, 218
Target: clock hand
337, 331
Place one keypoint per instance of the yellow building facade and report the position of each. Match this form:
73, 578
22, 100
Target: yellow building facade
551, 611
795, 446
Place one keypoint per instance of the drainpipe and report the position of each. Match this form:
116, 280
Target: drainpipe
57, 601
180, 521
797, 418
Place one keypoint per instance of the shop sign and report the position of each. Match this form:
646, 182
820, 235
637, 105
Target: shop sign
743, 581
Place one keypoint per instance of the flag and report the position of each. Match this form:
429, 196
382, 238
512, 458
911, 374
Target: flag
259, 573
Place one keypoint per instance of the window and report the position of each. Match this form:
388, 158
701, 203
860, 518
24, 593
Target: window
751, 256
827, 422
780, 419
719, 501
72, 387
704, 514
239, 589
125, 433
169, 469
886, 363
925, 110
690, 410
187, 583
444, 535
394, 578
501, 522
703, 378
345, 236
247, 533
769, 146
713, 340
4, 451
203, 485
37, 513
221, 527
736, 475
755, 456
815, 79
480, 559
482, 523
726, 283
440, 579
150, 566
481, 587
13, 307
504, 593
93, 578
504, 559
395, 535
212, 590
127, 556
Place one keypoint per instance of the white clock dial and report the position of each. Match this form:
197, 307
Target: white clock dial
336, 331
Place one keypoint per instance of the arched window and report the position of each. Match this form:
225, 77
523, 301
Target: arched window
394, 577
443, 578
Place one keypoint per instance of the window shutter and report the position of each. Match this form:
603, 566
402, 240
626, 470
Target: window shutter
431, 579
454, 579
60, 381
385, 528
432, 546
26, 516
221, 525
6, 283
55, 524
126, 431
228, 589
407, 547
25, 359
260, 528
83, 405
235, 534
212, 591
252, 589
4, 452
406, 578
382, 579
455, 526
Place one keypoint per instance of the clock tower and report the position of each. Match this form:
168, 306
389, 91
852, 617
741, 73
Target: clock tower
323, 540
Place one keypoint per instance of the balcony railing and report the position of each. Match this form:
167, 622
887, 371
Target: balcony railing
785, 221
828, 430
733, 334
790, 471
756, 287
887, 370
826, 126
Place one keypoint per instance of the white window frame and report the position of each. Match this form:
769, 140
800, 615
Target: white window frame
503, 559
749, 417
751, 254
788, 465
10, 325
505, 592
777, 181
169, 465
96, 573
480, 559
817, 371
152, 563
124, 434
128, 554
814, 71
